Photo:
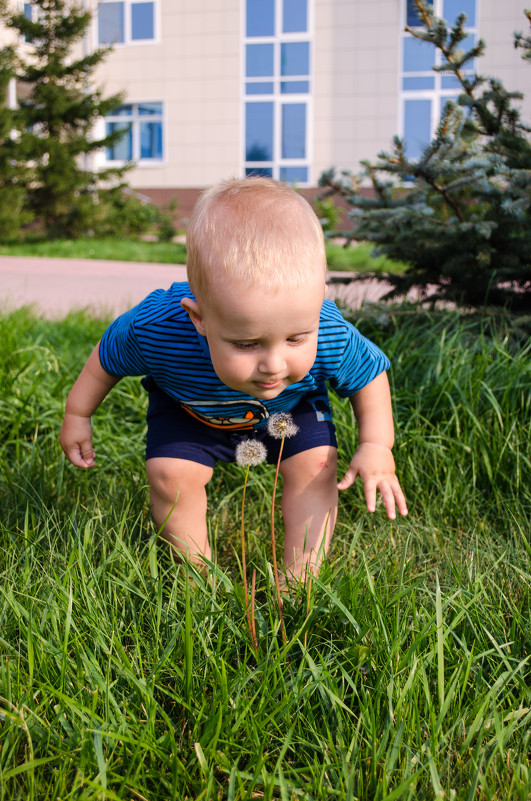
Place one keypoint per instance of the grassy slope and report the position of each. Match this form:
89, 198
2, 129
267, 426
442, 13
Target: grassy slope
408, 673
357, 259
107, 249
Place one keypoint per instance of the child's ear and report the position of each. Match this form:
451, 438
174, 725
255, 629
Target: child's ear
192, 307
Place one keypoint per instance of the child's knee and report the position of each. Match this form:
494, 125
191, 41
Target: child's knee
316, 465
168, 477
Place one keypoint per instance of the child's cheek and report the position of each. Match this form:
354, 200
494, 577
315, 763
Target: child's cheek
242, 366
234, 367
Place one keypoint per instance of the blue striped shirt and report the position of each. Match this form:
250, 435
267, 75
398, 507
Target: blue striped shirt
157, 338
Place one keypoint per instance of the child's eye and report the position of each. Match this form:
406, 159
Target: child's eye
244, 345
298, 340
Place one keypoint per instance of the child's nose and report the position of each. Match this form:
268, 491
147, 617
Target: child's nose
271, 362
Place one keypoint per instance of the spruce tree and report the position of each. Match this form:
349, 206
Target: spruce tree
520, 40
460, 214
56, 117
13, 214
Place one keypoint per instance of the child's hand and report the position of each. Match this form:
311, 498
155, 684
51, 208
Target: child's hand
76, 440
375, 465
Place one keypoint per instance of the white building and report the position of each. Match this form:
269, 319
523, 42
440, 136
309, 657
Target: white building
288, 88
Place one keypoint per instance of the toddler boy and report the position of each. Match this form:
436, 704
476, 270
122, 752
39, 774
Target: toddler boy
249, 335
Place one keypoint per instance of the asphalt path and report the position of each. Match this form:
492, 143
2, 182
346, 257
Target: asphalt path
55, 287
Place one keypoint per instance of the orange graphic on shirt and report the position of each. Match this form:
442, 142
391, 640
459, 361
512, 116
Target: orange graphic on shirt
233, 422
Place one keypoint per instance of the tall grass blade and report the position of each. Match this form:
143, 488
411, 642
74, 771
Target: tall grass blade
440, 643
188, 643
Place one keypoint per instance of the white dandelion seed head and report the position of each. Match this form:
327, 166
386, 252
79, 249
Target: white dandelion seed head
250, 452
281, 425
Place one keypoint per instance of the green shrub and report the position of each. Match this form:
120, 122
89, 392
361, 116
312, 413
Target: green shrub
460, 215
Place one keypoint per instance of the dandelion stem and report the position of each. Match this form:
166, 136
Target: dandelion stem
244, 568
253, 620
273, 543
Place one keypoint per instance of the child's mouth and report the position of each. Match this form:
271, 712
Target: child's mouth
269, 384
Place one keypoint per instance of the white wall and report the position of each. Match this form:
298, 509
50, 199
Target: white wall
357, 64
195, 70
356, 84
498, 20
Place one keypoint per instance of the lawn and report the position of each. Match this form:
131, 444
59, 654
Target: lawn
355, 259
106, 249
407, 671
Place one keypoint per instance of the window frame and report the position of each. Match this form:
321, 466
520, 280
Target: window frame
277, 97
128, 40
136, 119
438, 95
23, 7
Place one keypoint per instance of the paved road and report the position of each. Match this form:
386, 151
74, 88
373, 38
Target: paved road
56, 286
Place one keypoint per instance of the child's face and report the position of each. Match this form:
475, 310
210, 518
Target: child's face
260, 340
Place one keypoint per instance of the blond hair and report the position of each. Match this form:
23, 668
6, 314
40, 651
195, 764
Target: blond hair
253, 231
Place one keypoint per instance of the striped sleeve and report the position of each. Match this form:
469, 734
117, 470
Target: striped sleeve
352, 360
120, 352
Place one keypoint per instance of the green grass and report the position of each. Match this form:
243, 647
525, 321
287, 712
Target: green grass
407, 672
106, 249
357, 259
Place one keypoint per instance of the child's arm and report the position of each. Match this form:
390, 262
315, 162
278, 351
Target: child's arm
373, 461
88, 392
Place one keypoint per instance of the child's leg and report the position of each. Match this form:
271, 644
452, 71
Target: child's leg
309, 506
179, 504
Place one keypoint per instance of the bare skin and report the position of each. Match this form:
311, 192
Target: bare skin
309, 508
260, 351
179, 505
89, 391
309, 495
373, 461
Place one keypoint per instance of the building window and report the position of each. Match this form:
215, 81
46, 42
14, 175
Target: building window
31, 13
143, 138
424, 92
126, 21
277, 82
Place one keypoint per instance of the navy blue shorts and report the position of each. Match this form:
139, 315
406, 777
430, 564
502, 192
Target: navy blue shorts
173, 432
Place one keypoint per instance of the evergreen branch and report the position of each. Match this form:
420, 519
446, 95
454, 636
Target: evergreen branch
446, 195
436, 32
524, 42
